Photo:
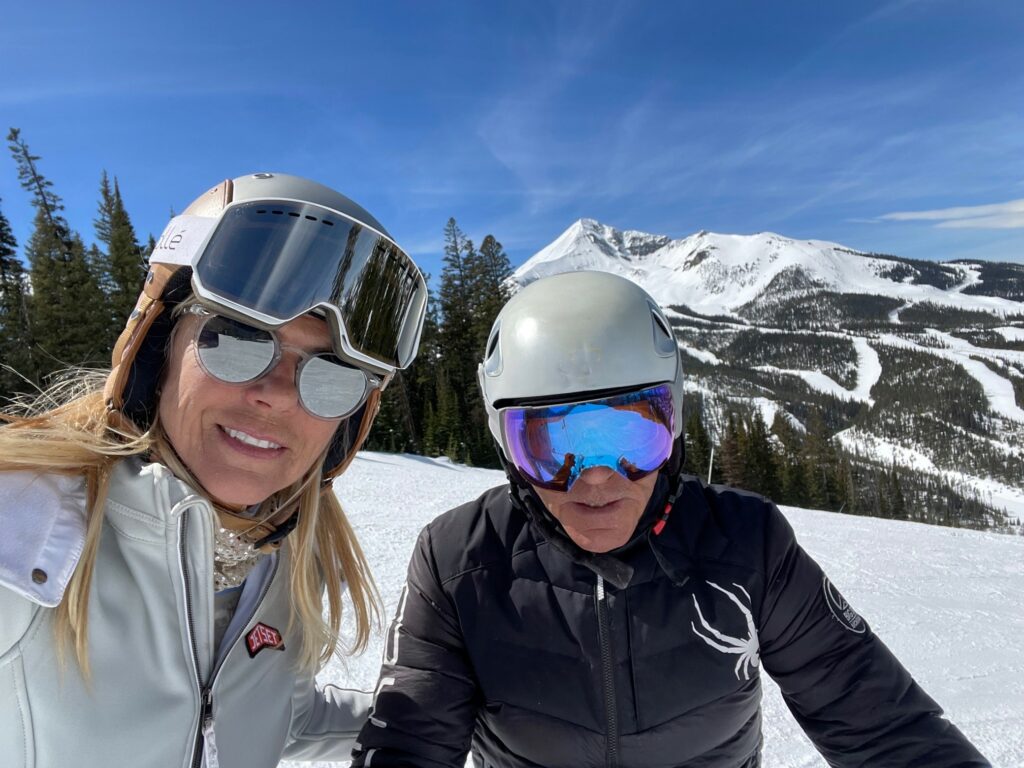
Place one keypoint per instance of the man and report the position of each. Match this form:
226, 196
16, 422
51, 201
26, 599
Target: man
603, 610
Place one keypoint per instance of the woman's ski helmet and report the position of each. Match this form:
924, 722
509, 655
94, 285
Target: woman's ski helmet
265, 249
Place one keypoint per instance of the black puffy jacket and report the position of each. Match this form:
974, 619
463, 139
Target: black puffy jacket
511, 642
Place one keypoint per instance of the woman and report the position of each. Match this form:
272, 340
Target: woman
170, 530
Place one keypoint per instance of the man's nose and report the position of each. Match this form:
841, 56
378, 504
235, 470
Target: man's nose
595, 475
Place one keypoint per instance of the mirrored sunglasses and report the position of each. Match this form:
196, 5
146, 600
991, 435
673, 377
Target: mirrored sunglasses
631, 433
236, 353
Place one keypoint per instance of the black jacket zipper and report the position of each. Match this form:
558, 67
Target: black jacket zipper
608, 677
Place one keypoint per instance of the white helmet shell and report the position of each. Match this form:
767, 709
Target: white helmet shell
567, 336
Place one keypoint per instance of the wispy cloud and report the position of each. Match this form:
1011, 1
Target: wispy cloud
1008, 215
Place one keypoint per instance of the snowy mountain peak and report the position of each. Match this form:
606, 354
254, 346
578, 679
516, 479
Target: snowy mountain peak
720, 274
590, 245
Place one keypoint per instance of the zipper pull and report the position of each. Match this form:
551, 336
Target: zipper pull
209, 740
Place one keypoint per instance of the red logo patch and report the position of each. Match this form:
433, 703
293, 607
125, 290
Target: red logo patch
261, 636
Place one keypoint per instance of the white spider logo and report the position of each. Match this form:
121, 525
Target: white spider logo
747, 648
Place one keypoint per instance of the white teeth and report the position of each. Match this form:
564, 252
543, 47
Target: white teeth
249, 439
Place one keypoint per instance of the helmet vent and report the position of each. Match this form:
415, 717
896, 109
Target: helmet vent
492, 358
664, 339
296, 215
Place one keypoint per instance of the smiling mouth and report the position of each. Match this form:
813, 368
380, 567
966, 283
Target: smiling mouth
248, 439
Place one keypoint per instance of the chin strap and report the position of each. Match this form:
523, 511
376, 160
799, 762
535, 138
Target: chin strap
659, 524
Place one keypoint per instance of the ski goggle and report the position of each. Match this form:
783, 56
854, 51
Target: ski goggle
270, 261
552, 445
235, 353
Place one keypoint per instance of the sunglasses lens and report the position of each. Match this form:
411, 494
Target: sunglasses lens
234, 352
329, 388
630, 433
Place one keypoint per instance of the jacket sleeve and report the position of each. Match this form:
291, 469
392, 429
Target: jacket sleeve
427, 696
846, 689
325, 721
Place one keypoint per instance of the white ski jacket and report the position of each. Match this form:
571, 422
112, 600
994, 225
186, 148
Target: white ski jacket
159, 695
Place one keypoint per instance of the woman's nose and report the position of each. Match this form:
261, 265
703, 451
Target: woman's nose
277, 388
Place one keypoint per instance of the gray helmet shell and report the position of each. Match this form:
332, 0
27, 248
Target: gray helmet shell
282, 186
568, 335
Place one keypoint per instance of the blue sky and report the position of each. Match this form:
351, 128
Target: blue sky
893, 127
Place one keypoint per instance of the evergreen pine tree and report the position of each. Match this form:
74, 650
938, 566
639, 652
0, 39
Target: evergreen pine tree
472, 291
492, 271
732, 452
448, 425
67, 310
882, 500
125, 263
489, 275
17, 367
457, 337
698, 447
762, 473
898, 505
406, 421
817, 461
792, 474
848, 489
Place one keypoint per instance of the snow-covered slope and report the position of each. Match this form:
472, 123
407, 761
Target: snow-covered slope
948, 602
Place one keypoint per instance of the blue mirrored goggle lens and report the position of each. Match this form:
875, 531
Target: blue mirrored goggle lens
236, 353
630, 433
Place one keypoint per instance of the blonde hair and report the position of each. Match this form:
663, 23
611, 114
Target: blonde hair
69, 430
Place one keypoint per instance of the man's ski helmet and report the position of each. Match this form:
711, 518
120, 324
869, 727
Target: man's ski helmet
265, 249
577, 336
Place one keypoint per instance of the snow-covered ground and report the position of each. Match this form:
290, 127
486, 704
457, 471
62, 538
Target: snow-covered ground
950, 603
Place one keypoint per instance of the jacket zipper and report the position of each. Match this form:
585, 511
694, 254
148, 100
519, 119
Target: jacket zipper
608, 677
205, 692
205, 734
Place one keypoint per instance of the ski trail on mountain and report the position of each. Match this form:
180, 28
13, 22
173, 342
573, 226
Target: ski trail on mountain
998, 389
